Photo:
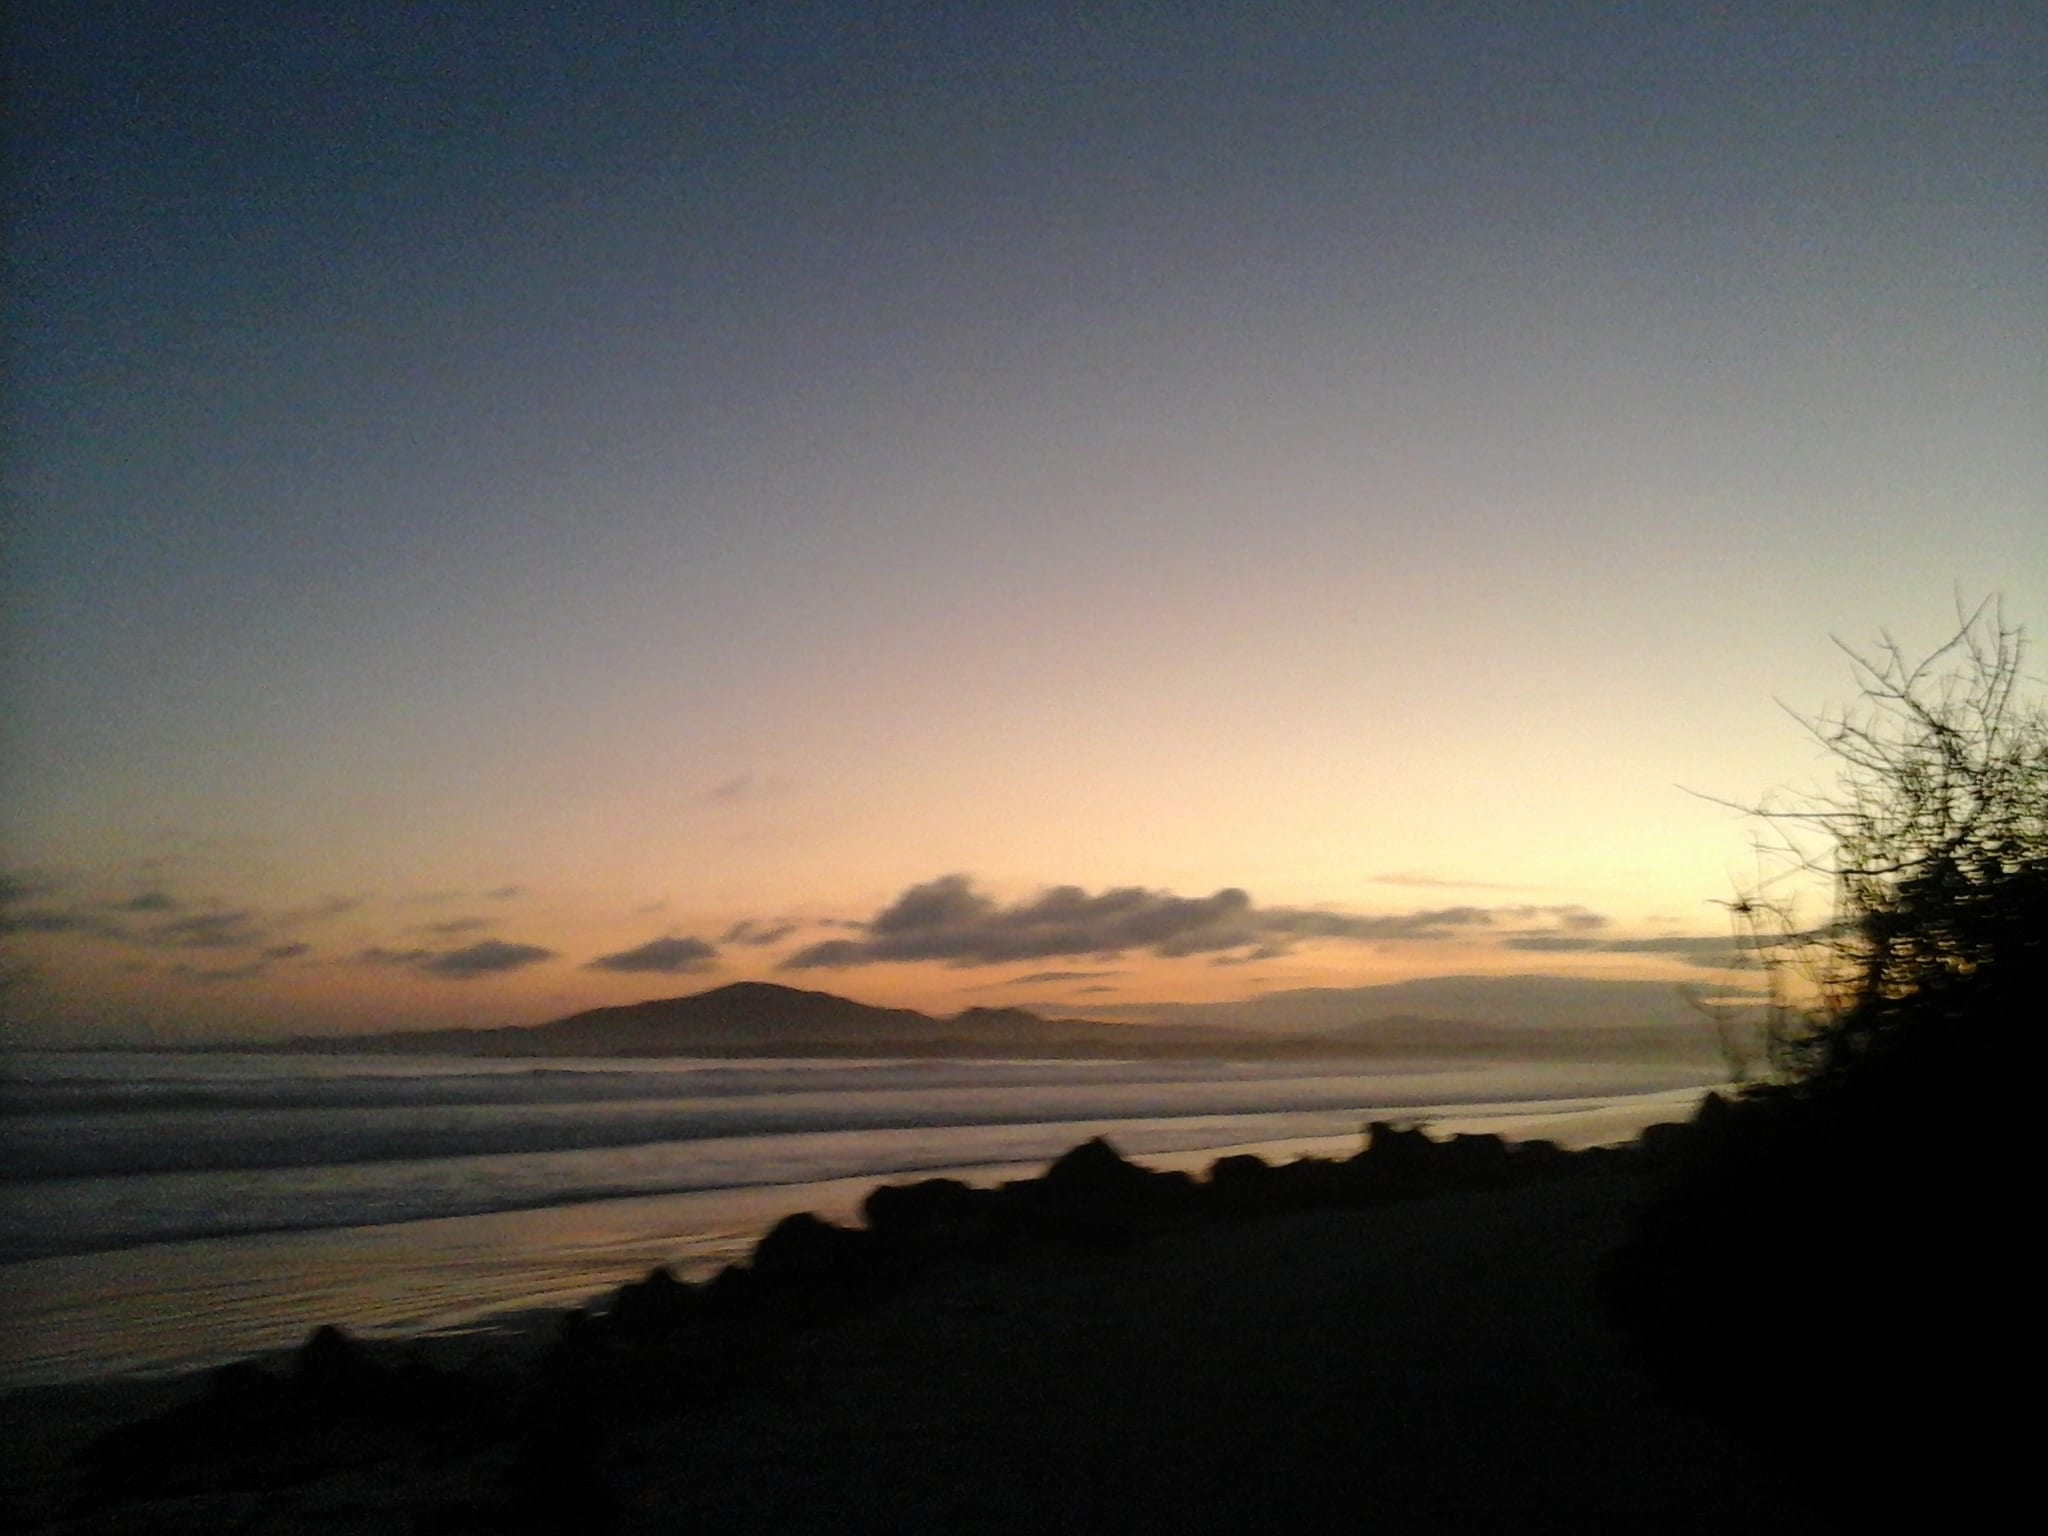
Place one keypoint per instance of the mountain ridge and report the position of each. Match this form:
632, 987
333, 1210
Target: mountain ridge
756, 1018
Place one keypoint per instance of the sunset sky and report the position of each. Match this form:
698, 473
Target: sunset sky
516, 507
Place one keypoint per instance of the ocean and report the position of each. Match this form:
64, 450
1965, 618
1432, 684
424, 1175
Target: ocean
164, 1212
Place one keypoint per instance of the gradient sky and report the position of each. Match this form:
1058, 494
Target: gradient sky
1044, 504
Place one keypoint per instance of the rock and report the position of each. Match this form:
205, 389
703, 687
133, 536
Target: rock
1093, 1196
807, 1269
650, 1310
1092, 1167
938, 1222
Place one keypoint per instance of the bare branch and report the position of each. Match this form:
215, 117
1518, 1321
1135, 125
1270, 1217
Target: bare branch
1941, 800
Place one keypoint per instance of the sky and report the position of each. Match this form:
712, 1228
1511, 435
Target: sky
512, 509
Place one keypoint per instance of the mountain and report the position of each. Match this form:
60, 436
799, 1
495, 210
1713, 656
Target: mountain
1525, 1016
761, 1018
745, 1018
758, 1018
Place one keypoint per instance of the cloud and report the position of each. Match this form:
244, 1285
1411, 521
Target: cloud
1566, 918
1038, 978
209, 930
57, 920
15, 888
832, 954
17, 916
749, 786
1711, 951
1675, 944
453, 926
245, 972
948, 920
320, 911
1406, 877
758, 935
1430, 923
196, 930
1253, 957
149, 916
487, 957
667, 957
431, 898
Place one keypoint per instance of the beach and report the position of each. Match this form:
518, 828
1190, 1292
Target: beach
162, 1213
1430, 1365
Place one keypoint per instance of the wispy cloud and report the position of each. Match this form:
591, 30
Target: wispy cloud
1437, 882
263, 963
1716, 951
487, 957
443, 897
451, 927
749, 786
154, 917
218, 973
320, 911
757, 935
665, 957
1252, 957
148, 901
24, 919
210, 930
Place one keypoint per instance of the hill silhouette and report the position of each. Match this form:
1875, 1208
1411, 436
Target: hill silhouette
757, 1018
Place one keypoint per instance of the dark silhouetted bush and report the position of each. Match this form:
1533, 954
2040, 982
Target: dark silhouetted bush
1833, 1265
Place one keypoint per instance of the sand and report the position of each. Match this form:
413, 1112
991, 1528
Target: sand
1428, 1367
1434, 1366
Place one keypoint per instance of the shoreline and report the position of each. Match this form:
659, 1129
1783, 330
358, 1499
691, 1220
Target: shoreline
72, 1315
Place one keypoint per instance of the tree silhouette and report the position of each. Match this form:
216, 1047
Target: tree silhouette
1934, 842
1855, 1222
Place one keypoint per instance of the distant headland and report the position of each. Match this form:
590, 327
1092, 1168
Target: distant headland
754, 1018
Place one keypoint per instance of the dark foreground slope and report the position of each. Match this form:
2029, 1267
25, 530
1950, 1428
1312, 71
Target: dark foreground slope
1424, 1368
1310, 1349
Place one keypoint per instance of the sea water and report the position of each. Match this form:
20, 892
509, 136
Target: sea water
165, 1211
